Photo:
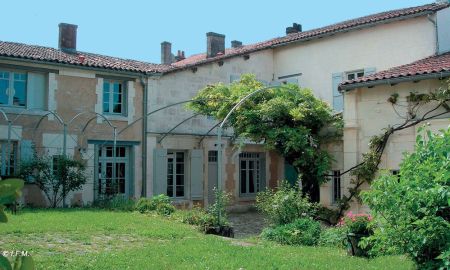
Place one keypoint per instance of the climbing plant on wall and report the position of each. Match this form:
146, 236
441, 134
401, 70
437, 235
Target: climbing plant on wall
289, 119
419, 108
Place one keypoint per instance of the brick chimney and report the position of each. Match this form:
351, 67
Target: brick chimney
180, 56
215, 43
295, 28
236, 44
67, 37
166, 53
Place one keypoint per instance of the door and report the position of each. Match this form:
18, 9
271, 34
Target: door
113, 179
212, 175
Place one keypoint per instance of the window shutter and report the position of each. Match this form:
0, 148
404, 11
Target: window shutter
26, 150
234, 78
338, 100
159, 171
369, 71
196, 174
36, 94
262, 172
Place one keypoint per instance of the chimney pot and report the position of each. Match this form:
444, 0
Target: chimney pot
295, 28
67, 37
236, 44
166, 53
215, 43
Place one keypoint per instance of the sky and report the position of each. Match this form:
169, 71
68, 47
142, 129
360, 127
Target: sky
134, 29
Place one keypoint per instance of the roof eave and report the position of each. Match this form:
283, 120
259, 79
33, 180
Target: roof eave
435, 75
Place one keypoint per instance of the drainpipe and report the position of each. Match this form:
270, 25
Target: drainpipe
144, 135
433, 21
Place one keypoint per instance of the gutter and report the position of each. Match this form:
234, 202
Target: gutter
144, 85
440, 75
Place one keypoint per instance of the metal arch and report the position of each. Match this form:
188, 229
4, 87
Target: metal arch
47, 113
207, 133
27, 110
179, 124
80, 114
162, 108
95, 117
4, 115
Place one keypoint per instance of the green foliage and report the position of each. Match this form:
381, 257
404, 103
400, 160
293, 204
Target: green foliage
333, 237
285, 204
413, 211
55, 180
200, 218
161, 204
10, 190
303, 231
116, 203
357, 223
218, 209
290, 120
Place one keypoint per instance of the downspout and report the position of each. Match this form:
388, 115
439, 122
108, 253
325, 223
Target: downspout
436, 33
144, 84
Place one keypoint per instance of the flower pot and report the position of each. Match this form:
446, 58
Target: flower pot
353, 248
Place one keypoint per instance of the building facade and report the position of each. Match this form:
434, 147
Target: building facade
170, 150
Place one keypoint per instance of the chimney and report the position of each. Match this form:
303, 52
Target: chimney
295, 28
215, 43
180, 56
166, 53
236, 44
67, 37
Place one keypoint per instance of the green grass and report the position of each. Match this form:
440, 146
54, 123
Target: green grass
95, 239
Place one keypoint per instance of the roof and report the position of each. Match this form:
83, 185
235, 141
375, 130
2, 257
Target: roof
433, 66
46, 54
348, 25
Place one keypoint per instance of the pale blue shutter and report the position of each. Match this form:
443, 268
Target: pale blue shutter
159, 171
196, 174
36, 94
338, 100
26, 150
234, 78
369, 71
262, 172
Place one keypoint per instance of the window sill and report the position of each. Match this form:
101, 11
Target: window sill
244, 198
116, 117
22, 110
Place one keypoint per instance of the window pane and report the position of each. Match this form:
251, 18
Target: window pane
350, 76
117, 108
20, 89
170, 191
180, 180
180, 191
170, 180
180, 168
251, 181
4, 85
180, 157
360, 74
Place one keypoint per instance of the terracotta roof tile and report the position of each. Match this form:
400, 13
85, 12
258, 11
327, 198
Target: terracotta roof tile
19, 50
429, 65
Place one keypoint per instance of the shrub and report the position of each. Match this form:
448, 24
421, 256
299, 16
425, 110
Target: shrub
333, 237
198, 217
284, 205
218, 209
116, 203
413, 210
356, 223
160, 203
303, 231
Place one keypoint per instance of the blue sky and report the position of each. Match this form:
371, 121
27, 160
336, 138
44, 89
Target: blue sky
134, 29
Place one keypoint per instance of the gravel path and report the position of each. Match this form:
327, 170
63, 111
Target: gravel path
247, 224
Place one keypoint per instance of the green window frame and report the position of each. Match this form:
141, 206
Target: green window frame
114, 97
13, 88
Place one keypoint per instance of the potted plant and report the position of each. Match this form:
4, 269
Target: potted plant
357, 228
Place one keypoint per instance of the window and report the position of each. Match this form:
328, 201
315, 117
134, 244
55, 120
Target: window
336, 195
13, 88
250, 173
113, 180
396, 173
8, 162
114, 97
354, 74
175, 174
55, 160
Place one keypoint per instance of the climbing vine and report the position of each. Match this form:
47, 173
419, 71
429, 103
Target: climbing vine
420, 107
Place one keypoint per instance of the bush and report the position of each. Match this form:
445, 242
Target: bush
357, 223
413, 210
333, 237
116, 203
304, 231
284, 205
160, 203
198, 217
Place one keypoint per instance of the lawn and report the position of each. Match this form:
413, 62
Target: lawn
96, 239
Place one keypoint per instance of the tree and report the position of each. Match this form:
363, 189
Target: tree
289, 120
413, 209
56, 176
